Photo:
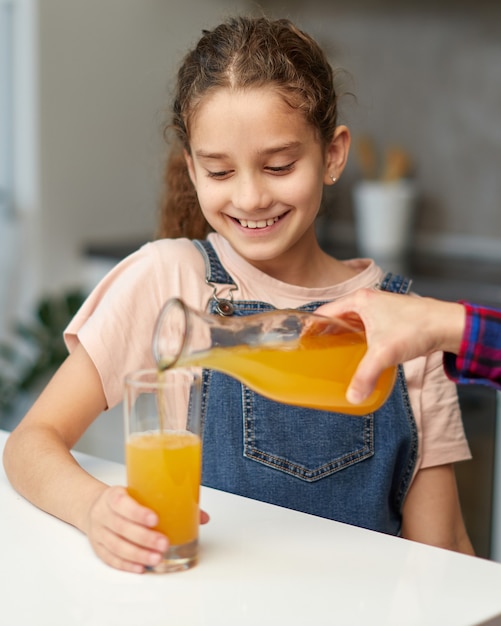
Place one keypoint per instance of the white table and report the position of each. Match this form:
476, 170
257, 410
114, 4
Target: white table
260, 564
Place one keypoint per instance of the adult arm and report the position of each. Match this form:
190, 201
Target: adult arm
478, 359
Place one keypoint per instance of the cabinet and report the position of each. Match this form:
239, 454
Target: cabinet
476, 478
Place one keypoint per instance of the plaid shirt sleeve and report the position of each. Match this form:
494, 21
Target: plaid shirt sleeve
479, 358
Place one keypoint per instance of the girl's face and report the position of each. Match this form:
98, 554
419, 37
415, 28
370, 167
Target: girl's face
259, 169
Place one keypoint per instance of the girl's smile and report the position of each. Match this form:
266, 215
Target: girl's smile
261, 224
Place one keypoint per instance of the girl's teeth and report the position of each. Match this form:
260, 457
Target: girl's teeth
258, 224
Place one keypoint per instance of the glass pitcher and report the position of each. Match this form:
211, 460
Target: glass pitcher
290, 356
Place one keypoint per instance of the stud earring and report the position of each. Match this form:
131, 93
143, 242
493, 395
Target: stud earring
332, 178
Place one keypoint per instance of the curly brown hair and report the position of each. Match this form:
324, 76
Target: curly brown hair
241, 53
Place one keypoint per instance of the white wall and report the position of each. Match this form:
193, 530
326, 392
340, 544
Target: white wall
6, 151
93, 82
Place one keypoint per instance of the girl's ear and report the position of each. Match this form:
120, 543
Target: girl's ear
337, 154
190, 166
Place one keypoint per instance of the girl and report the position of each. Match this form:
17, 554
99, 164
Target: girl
255, 116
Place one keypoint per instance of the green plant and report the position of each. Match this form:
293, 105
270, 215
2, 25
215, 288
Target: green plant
36, 348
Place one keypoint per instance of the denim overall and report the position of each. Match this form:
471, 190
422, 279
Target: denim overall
353, 469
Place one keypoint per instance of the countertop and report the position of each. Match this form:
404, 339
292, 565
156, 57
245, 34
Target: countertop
260, 564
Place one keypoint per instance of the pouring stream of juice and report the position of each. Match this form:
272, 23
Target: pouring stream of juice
305, 359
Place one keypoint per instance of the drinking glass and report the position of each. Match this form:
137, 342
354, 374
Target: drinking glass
163, 456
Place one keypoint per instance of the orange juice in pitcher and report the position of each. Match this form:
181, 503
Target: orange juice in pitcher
290, 356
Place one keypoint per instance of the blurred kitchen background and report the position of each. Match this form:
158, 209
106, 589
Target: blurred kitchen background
84, 88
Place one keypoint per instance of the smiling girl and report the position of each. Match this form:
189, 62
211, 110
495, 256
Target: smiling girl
257, 140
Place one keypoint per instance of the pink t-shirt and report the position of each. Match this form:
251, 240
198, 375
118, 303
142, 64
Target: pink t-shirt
115, 326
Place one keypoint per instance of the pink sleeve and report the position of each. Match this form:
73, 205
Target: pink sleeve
116, 321
438, 417
115, 324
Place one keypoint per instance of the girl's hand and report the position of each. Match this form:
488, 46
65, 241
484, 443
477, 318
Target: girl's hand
122, 534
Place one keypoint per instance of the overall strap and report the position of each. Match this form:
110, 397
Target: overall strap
215, 274
214, 270
395, 283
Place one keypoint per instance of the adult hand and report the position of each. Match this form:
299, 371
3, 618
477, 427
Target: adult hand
398, 328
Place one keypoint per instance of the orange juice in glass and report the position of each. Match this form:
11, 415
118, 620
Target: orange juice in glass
163, 456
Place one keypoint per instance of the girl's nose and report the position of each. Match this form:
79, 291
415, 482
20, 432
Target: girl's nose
250, 193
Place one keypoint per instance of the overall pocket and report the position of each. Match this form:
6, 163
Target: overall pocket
306, 443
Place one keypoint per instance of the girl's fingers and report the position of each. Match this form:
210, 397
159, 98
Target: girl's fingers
120, 503
121, 533
123, 554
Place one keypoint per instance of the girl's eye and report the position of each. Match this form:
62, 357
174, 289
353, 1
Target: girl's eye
282, 168
221, 174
